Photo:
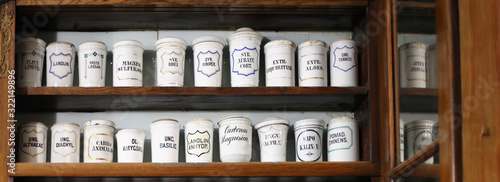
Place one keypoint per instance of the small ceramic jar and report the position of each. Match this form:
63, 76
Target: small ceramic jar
170, 60
313, 64
343, 139
130, 144
199, 135
244, 55
65, 143
412, 65
92, 63
432, 79
280, 63
308, 140
235, 139
207, 53
30, 57
127, 63
32, 142
60, 64
418, 135
165, 141
344, 64
98, 141
272, 138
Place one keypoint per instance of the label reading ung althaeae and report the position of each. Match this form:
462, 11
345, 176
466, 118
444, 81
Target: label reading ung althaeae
208, 63
101, 147
64, 142
172, 63
344, 58
245, 61
198, 143
308, 145
33, 142
60, 65
340, 138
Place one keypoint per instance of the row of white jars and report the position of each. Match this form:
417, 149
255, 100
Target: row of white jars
417, 65
235, 141
207, 50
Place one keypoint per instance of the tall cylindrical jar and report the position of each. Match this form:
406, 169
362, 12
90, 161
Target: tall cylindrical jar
130, 145
32, 142
344, 63
127, 63
165, 141
98, 141
65, 143
432, 78
418, 136
60, 64
273, 134
308, 140
30, 56
170, 60
412, 65
244, 55
235, 139
207, 53
313, 64
343, 139
92, 63
280, 63
199, 135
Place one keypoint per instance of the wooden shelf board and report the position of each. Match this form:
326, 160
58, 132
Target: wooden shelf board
418, 100
184, 170
416, 4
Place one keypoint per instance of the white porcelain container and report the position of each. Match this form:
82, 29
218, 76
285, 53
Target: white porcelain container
170, 60
98, 141
235, 139
313, 64
130, 144
344, 64
418, 135
92, 63
343, 139
60, 64
272, 138
30, 56
244, 54
412, 65
280, 63
308, 140
165, 141
207, 53
32, 142
199, 135
432, 78
127, 63
65, 143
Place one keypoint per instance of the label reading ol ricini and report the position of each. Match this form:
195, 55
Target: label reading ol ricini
198, 143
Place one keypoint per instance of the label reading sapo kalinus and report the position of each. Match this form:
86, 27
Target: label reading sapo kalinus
198, 143
308, 145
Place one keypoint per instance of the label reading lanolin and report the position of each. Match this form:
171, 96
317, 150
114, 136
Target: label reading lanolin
60, 65
308, 145
198, 143
208, 63
245, 61
172, 63
340, 138
101, 147
64, 142
344, 58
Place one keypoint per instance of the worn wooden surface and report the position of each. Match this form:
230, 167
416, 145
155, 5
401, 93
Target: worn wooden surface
192, 2
480, 74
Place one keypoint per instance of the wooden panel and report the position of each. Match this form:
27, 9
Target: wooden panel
212, 169
194, 2
480, 68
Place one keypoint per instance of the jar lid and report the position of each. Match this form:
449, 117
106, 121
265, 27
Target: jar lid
159, 121
280, 43
180, 41
416, 45
313, 43
136, 131
245, 32
208, 39
309, 122
343, 40
271, 121
61, 44
99, 122
420, 123
238, 118
93, 42
65, 123
33, 40
33, 123
343, 119
128, 43
200, 119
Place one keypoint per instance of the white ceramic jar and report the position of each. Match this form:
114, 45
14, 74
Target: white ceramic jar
60, 64
280, 63
30, 56
344, 64
313, 64
308, 140
98, 141
401, 140
127, 63
412, 65
165, 141
432, 78
244, 55
199, 135
130, 144
418, 135
32, 142
65, 143
207, 53
273, 134
235, 139
170, 60
343, 139
92, 63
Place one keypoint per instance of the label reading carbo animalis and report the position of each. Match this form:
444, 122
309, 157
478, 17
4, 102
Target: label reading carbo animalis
101, 147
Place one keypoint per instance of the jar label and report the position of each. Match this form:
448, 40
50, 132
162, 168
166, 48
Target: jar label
33, 142
64, 142
308, 145
422, 140
172, 63
167, 142
133, 146
60, 65
245, 61
208, 63
198, 143
101, 147
344, 58
93, 65
128, 68
281, 66
235, 133
272, 137
340, 138
312, 66
415, 68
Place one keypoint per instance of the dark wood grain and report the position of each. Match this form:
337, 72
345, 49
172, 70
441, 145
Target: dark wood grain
415, 161
191, 2
424, 171
200, 170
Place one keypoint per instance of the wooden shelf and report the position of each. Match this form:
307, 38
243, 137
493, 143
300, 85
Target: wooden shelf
191, 2
202, 170
418, 100
206, 98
